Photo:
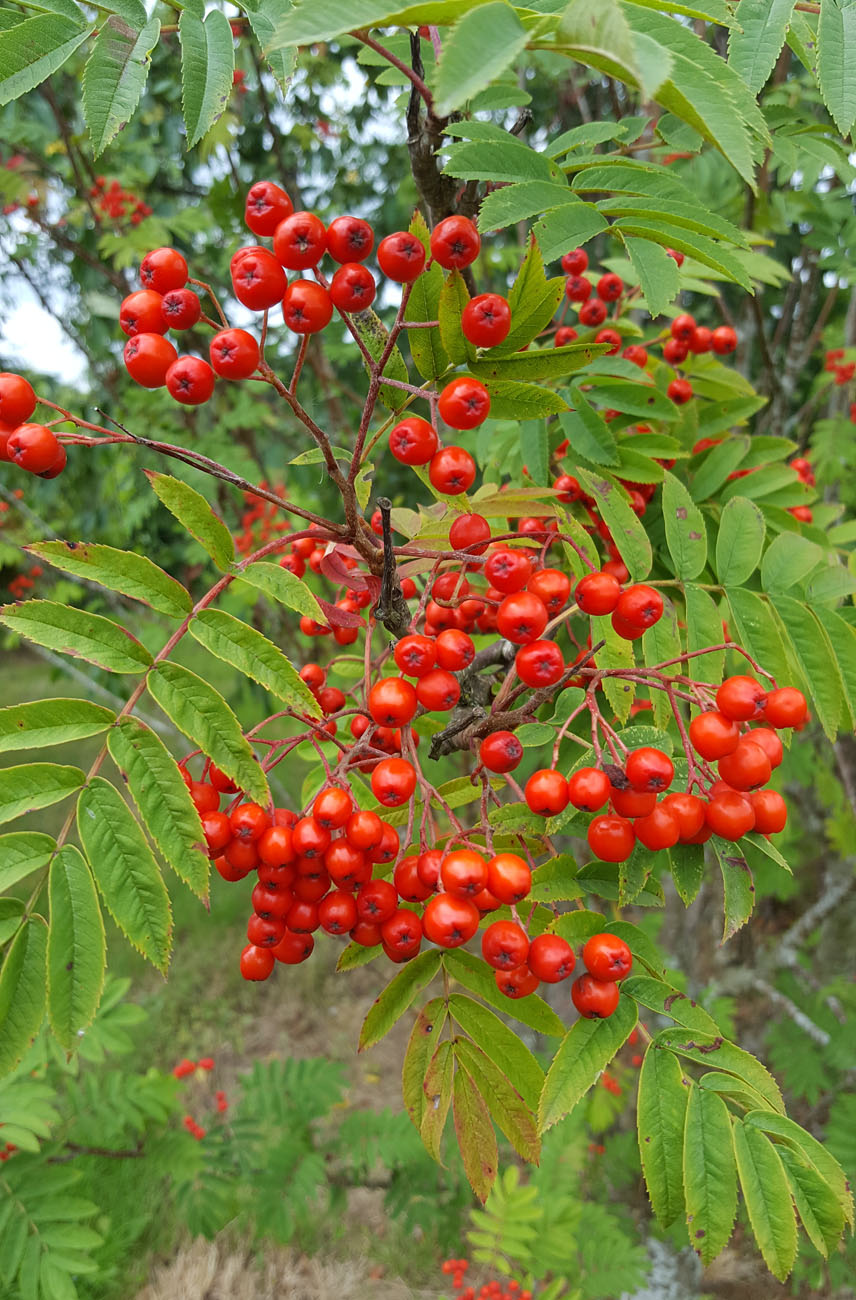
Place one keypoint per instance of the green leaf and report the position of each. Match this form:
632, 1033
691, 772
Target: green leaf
617, 652
659, 278
240, 645
22, 853
756, 40
204, 717
687, 864
768, 1199
263, 16
787, 561
661, 1110
759, 632
816, 659
586, 430
115, 75
532, 299
207, 64
842, 638
318, 20
704, 628
836, 50
479, 48
193, 512
633, 873
437, 1086
23, 992
507, 1108
583, 1054
544, 363
510, 400
77, 952
163, 800
686, 536
392, 1003
474, 1131
420, 1049
738, 885
497, 160
355, 954
811, 1150
718, 463
475, 976
11, 915
78, 633
133, 575
283, 587
556, 881
375, 338
125, 870
512, 203
634, 398
627, 531
708, 251
43, 723
451, 302
35, 785
33, 49
426, 345
739, 542
736, 1090
501, 1044
568, 226
710, 1178
817, 1206
661, 644
668, 1001
535, 450
716, 1053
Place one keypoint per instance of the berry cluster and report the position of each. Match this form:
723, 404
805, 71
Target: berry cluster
33, 447
260, 521
731, 802
522, 964
116, 203
456, 1269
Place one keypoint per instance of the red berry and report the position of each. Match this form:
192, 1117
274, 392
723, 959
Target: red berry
723, 340
509, 878
190, 380
415, 655
306, 307
413, 441
594, 999
401, 257
17, 399
541, 663
688, 811
464, 403
680, 391
575, 262
521, 617
401, 934
349, 239
551, 958
376, 901
675, 351
234, 354
640, 605
452, 471
486, 320
463, 873
517, 983
393, 782
501, 751
332, 808
785, 707
649, 770
713, 735
660, 829
682, 327
505, 945
597, 593
147, 359
467, 532
353, 287
546, 792
610, 287
741, 698
181, 309
611, 838
266, 206
392, 702
771, 812
593, 312
588, 788
299, 241
142, 313
449, 922
455, 242
578, 289
337, 913
256, 963
552, 587
33, 447
162, 270
438, 690
455, 650
610, 336
747, 767
258, 280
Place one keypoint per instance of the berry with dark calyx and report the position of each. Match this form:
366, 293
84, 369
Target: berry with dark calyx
675, 351
541, 663
713, 735
376, 901
637, 354
610, 336
730, 814
364, 830
257, 963
568, 488
468, 532
486, 320
521, 617
452, 471
392, 702
190, 380
508, 570
265, 207
771, 811
337, 913
649, 769
658, 830
163, 269
409, 883
611, 838
17, 399
401, 257
413, 441
33, 447
597, 593
449, 922
741, 698
455, 650
575, 262
181, 309
234, 354
593, 312
299, 241
415, 654
349, 239
501, 751
632, 803
438, 690
147, 358
428, 866
552, 587
594, 999
56, 468
504, 945
332, 808
353, 287
464, 403
785, 707
393, 782
463, 873
455, 243
640, 605
306, 307
565, 334
258, 280
546, 792
607, 957
723, 340
142, 313
588, 788
610, 287
682, 327
680, 391
551, 958
401, 934
509, 878
293, 948
578, 289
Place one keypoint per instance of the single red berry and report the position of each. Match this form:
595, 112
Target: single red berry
266, 206
597, 593
741, 698
771, 811
713, 735
675, 351
517, 983
415, 655
730, 815
747, 767
33, 447
142, 313
455, 243
401, 257
463, 873
594, 999
785, 707
353, 287
637, 354
464, 403
306, 307
413, 441
552, 587
409, 883
659, 830
611, 838
455, 650
349, 239
541, 663
163, 269
578, 289
181, 309
588, 788
632, 803
249, 821
17, 399
376, 901
452, 471
593, 312
449, 922
190, 380
575, 262
610, 287
258, 280
688, 811
217, 830
649, 769
640, 605
468, 532
551, 958
501, 751
234, 354
438, 690
680, 391
675, 256
610, 336
393, 782
508, 570
723, 340
682, 327
546, 792
486, 320
699, 340
565, 334
401, 935
332, 808
337, 913
392, 702
147, 359
299, 241
274, 846
256, 963
505, 945
428, 866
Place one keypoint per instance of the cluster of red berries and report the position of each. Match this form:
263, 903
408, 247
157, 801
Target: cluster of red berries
799, 464
735, 801
260, 521
24, 582
113, 201
195, 1130
7, 1150
842, 370
186, 1067
522, 964
33, 447
456, 1269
